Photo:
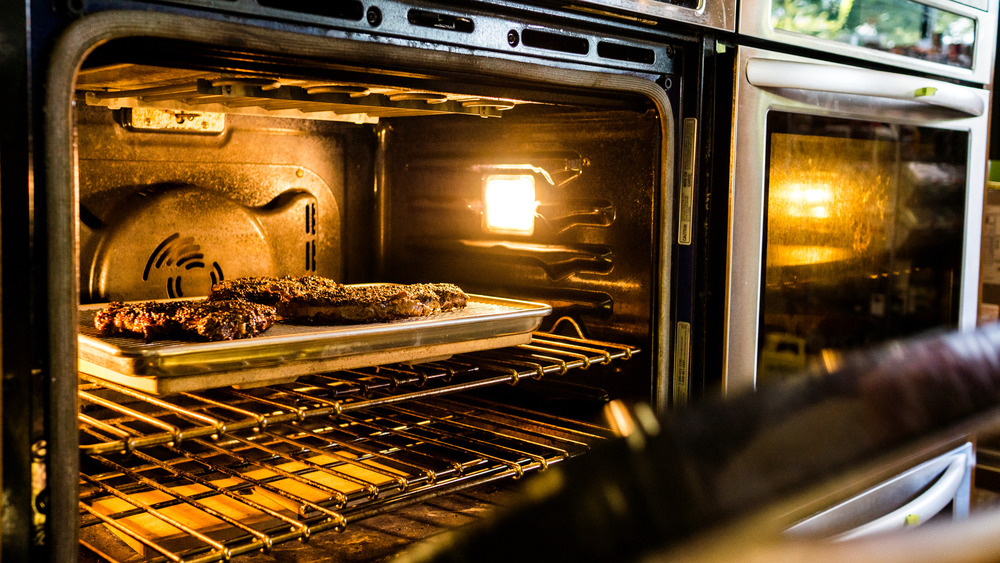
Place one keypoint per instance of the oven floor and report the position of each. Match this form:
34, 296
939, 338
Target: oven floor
375, 539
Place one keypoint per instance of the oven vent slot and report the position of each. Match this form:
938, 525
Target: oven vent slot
627, 53
423, 18
341, 9
230, 471
555, 41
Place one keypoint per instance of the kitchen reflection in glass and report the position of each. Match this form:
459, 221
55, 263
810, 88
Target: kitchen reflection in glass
904, 27
864, 225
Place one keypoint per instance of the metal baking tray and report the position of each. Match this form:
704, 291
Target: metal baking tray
287, 351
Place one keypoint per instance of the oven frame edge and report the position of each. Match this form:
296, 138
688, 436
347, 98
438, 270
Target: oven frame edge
61, 197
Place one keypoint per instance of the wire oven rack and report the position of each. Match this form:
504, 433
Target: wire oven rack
207, 476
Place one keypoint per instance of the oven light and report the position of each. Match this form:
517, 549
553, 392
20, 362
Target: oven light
510, 204
819, 212
809, 201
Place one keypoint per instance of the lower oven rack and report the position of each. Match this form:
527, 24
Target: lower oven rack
209, 476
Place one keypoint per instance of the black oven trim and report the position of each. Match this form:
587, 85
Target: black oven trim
485, 32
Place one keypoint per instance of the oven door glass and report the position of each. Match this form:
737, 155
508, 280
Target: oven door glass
903, 27
947, 38
863, 237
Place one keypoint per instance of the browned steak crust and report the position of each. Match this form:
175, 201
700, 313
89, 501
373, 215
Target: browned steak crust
318, 300
187, 319
270, 290
359, 304
450, 295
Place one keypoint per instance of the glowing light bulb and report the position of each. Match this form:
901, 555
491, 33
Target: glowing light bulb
510, 204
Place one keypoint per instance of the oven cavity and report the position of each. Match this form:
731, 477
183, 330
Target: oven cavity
540, 199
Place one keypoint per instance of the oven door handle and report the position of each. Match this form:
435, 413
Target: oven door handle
771, 73
923, 507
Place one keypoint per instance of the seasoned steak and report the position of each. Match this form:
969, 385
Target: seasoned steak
358, 304
449, 295
270, 290
186, 319
318, 300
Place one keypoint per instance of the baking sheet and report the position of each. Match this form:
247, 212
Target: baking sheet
287, 351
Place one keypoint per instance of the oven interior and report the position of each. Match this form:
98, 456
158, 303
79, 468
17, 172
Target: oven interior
197, 164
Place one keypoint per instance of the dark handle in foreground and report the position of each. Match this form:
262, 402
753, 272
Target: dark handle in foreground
715, 462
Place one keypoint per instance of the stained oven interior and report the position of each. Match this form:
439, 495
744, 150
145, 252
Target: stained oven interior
198, 164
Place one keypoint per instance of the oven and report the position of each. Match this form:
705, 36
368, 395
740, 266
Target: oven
952, 38
855, 214
857, 164
568, 168
164, 147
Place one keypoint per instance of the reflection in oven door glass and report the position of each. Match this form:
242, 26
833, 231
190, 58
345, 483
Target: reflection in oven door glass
903, 27
863, 236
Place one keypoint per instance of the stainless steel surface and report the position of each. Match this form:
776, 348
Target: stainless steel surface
968, 541
71, 174
347, 102
208, 499
715, 14
287, 351
770, 73
117, 418
180, 240
755, 20
491, 54
232, 203
854, 517
747, 186
598, 243
221, 473
377, 538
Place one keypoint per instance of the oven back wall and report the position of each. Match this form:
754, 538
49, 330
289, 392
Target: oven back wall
168, 213
591, 253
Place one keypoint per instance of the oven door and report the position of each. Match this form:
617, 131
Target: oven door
856, 200
950, 38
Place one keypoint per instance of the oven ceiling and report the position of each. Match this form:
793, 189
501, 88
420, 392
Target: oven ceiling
145, 86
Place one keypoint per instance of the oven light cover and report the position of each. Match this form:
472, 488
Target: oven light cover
510, 204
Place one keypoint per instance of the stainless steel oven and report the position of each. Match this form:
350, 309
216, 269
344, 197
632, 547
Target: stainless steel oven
855, 217
952, 38
154, 149
713, 14
162, 147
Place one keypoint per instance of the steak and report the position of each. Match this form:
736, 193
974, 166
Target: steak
186, 319
270, 290
450, 296
318, 300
